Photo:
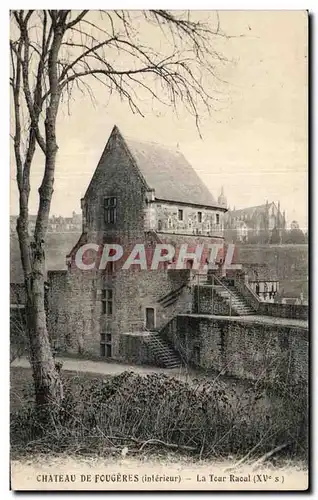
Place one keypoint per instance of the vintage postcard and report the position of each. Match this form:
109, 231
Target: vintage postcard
159, 250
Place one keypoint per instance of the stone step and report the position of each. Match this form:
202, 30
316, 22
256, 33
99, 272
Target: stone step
164, 353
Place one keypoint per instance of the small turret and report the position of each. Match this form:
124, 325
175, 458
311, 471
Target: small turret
222, 201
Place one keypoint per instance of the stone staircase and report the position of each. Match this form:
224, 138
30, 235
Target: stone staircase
162, 352
170, 298
238, 303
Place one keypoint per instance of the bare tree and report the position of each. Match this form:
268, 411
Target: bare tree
55, 51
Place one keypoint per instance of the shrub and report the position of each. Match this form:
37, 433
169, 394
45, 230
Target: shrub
205, 418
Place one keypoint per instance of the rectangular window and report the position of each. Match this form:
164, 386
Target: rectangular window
110, 210
103, 350
107, 301
105, 338
180, 214
106, 345
199, 216
218, 218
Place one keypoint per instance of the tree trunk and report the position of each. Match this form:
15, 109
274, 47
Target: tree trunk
47, 382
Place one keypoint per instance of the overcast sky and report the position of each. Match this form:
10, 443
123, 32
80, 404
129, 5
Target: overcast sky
255, 144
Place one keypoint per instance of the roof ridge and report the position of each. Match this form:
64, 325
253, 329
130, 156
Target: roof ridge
163, 168
249, 208
152, 143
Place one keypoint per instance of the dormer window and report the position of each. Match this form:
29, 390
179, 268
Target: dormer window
110, 210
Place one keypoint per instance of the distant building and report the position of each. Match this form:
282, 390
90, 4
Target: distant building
222, 201
65, 224
294, 225
260, 224
13, 223
57, 224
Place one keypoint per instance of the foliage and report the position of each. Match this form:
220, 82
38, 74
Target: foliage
295, 236
204, 418
275, 237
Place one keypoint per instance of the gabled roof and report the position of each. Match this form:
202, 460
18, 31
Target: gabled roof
249, 211
167, 172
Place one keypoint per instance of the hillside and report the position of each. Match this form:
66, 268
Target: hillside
289, 262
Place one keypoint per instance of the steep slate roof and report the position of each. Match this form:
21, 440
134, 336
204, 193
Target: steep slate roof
163, 169
169, 174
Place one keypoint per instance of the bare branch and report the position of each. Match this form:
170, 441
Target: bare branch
16, 84
77, 19
24, 60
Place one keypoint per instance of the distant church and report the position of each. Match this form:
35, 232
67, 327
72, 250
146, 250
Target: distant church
260, 224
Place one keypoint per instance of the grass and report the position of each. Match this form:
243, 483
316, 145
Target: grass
21, 379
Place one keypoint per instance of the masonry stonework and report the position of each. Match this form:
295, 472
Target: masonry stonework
244, 349
144, 193
207, 301
180, 218
75, 316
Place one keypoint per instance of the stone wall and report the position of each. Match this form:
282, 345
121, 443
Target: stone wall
128, 188
73, 311
183, 219
76, 319
242, 348
207, 301
292, 311
134, 349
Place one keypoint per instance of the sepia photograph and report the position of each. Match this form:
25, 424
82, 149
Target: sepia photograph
159, 295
